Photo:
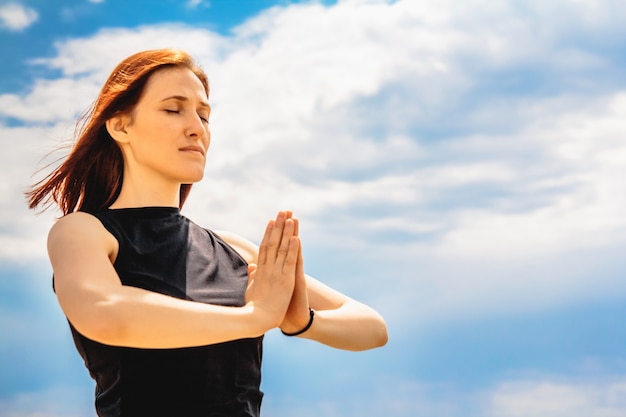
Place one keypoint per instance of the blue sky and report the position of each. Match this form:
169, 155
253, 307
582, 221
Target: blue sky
458, 166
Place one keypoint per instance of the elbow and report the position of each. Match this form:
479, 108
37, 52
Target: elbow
375, 337
99, 324
99, 330
378, 336
108, 331
93, 311
381, 337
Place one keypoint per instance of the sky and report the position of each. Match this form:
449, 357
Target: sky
456, 165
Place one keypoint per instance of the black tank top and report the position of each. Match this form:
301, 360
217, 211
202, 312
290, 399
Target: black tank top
160, 250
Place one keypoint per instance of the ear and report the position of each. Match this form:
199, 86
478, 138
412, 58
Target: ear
116, 126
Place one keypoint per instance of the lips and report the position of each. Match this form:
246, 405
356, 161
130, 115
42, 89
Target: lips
193, 148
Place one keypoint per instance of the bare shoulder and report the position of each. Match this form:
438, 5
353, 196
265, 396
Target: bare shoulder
80, 229
74, 224
248, 250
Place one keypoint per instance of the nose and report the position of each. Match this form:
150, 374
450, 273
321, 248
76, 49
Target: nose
196, 127
198, 130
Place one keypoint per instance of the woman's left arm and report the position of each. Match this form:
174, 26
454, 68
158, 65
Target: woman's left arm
339, 321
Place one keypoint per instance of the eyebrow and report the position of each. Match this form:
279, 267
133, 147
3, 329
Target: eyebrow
183, 98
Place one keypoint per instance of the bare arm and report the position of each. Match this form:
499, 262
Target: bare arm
101, 308
339, 321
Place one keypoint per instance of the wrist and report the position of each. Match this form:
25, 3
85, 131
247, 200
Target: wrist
262, 319
305, 328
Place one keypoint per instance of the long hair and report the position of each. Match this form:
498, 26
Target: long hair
90, 179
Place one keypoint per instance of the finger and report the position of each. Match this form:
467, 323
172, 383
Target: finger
291, 258
285, 241
262, 257
275, 238
300, 263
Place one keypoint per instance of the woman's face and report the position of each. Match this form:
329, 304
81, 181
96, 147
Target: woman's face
168, 132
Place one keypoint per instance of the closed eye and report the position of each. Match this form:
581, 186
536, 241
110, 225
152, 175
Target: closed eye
172, 111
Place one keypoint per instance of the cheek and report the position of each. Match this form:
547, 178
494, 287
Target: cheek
161, 133
157, 141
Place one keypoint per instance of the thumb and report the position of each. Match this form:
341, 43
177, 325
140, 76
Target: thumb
250, 286
251, 272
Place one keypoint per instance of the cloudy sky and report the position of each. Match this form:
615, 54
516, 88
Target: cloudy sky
457, 165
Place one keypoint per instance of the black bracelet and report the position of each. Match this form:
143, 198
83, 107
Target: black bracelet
307, 327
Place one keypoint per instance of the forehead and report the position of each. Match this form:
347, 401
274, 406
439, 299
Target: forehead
173, 81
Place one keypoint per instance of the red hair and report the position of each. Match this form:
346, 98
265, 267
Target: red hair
90, 179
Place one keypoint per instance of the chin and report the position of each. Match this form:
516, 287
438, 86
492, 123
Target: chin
191, 179
191, 174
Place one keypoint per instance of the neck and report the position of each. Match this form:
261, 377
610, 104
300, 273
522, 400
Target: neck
135, 193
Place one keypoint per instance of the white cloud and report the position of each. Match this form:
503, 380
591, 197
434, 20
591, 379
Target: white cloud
455, 135
556, 398
97, 56
16, 17
51, 101
23, 235
584, 157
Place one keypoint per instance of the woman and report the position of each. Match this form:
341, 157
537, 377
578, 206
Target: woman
169, 317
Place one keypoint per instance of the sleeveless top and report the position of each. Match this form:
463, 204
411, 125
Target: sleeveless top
162, 251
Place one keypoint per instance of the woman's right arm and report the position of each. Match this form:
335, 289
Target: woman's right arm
102, 309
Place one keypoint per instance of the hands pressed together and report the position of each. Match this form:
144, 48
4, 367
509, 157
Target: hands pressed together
277, 284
